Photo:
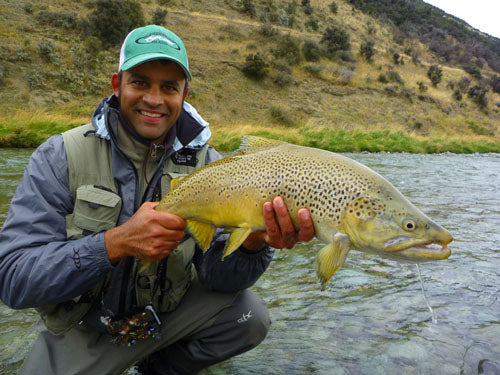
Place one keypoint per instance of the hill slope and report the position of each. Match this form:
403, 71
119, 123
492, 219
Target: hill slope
54, 68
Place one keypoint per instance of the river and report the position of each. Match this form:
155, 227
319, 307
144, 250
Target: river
372, 318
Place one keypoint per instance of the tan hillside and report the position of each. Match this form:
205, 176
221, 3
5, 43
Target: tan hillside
51, 73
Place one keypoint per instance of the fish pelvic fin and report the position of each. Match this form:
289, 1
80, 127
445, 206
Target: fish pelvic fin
203, 233
237, 237
332, 257
253, 143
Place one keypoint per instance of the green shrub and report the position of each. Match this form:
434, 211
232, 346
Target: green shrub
47, 48
334, 8
288, 48
495, 83
67, 20
35, 79
268, 31
112, 20
395, 77
281, 116
473, 70
346, 75
306, 7
478, 94
314, 69
311, 50
283, 78
335, 39
367, 50
457, 95
312, 24
2, 74
422, 87
248, 7
382, 78
463, 84
255, 67
435, 74
28, 8
345, 56
159, 16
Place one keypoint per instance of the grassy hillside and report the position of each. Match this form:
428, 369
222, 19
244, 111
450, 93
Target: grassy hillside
54, 69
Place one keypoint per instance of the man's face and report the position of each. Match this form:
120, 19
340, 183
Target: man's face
151, 96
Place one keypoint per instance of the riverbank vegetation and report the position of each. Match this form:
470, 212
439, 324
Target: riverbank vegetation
322, 73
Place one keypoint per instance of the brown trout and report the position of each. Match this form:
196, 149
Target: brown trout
352, 207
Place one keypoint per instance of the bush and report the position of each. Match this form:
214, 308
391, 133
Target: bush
314, 69
334, 8
336, 39
248, 7
495, 83
382, 78
2, 74
367, 50
478, 94
255, 67
159, 16
35, 79
395, 77
312, 24
422, 87
306, 7
283, 78
435, 74
112, 20
47, 48
311, 51
267, 30
281, 116
288, 48
472, 70
457, 95
345, 75
463, 84
67, 20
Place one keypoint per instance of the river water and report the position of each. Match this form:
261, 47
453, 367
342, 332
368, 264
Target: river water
372, 318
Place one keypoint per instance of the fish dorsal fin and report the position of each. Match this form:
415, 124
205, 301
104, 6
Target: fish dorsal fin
252, 143
203, 233
176, 182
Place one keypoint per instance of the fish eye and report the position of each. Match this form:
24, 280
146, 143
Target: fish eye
409, 224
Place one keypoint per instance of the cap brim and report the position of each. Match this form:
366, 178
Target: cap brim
137, 60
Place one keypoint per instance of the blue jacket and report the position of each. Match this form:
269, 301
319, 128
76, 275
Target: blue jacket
39, 266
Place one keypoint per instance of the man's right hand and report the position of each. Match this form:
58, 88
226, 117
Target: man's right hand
149, 235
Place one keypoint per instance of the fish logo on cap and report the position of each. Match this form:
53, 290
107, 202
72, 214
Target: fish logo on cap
158, 38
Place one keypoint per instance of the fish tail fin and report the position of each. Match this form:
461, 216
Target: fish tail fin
332, 257
237, 237
203, 233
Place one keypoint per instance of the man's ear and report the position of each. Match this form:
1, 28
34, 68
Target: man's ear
186, 90
115, 84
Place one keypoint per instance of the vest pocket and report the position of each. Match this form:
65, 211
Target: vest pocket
96, 208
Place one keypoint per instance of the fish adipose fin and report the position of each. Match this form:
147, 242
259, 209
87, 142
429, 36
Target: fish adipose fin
252, 143
237, 237
202, 233
332, 257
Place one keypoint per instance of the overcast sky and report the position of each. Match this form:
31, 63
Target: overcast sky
480, 14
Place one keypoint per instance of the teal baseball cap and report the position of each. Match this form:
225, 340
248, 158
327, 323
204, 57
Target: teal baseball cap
150, 43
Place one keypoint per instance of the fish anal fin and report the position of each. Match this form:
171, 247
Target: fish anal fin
237, 237
332, 257
203, 233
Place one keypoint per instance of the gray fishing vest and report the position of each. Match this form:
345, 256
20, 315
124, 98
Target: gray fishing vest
97, 208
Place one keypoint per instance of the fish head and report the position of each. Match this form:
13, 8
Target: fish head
386, 223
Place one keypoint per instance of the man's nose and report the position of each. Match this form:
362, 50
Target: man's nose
153, 97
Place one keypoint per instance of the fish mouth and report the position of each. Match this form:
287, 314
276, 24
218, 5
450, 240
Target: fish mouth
413, 248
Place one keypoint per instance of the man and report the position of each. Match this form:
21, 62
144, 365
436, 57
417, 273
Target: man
83, 218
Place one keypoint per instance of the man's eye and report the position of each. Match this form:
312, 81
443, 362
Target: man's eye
139, 83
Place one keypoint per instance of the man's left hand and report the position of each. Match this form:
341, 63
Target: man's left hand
280, 232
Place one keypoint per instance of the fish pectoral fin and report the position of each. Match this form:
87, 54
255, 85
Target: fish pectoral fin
203, 233
237, 237
332, 257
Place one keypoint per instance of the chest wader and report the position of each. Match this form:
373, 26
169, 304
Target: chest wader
97, 208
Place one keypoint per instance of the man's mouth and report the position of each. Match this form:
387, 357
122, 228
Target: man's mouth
151, 114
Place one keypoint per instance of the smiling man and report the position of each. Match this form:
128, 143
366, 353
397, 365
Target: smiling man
84, 216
